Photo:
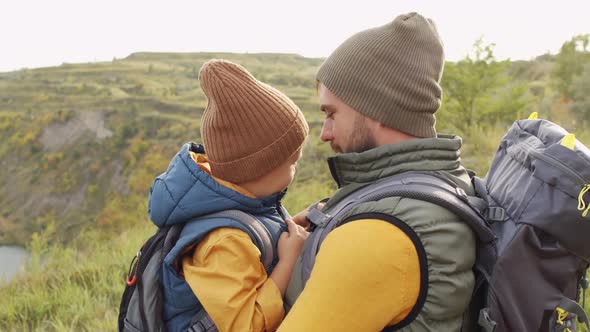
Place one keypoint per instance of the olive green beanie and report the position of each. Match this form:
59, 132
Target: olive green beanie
391, 73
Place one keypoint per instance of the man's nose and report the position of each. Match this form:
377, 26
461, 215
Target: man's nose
326, 134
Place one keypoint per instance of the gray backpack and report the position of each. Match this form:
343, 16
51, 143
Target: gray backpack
141, 307
537, 192
530, 219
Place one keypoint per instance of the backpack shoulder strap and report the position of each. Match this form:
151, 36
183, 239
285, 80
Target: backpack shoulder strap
421, 186
428, 187
261, 238
258, 232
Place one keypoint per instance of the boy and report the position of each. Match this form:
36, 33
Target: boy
253, 136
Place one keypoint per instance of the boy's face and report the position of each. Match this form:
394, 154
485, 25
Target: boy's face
275, 181
285, 173
281, 177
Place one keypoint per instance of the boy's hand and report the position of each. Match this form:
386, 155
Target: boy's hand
291, 242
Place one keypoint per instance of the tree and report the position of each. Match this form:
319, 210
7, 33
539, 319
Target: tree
581, 96
570, 61
478, 89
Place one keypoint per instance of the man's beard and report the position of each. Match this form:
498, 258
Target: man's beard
361, 139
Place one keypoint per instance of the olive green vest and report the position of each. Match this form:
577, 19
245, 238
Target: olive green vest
448, 242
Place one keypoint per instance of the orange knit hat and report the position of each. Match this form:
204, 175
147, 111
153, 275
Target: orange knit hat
249, 128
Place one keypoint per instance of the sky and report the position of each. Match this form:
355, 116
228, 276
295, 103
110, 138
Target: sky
48, 33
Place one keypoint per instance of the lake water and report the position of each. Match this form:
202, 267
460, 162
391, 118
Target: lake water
12, 260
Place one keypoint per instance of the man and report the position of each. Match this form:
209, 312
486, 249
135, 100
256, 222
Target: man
402, 263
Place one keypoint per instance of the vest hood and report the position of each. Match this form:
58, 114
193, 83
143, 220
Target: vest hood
185, 192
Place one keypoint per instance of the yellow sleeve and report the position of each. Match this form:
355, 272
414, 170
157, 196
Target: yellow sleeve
366, 276
226, 274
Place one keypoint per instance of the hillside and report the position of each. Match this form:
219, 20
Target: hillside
81, 143
78, 137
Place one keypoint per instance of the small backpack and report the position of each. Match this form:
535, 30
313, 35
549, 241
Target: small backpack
142, 303
530, 217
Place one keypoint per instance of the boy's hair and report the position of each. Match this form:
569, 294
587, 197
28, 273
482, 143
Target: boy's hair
248, 128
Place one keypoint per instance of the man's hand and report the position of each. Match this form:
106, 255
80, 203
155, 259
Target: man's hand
301, 217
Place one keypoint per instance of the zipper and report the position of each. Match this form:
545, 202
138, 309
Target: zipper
556, 163
572, 174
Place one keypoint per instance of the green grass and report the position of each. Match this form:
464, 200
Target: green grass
73, 290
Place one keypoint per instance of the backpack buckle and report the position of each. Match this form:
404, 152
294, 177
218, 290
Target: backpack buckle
317, 218
494, 213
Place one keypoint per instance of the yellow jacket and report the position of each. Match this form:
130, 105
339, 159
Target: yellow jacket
226, 265
375, 272
225, 273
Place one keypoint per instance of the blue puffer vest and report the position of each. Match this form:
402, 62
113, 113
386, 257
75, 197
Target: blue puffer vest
185, 192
